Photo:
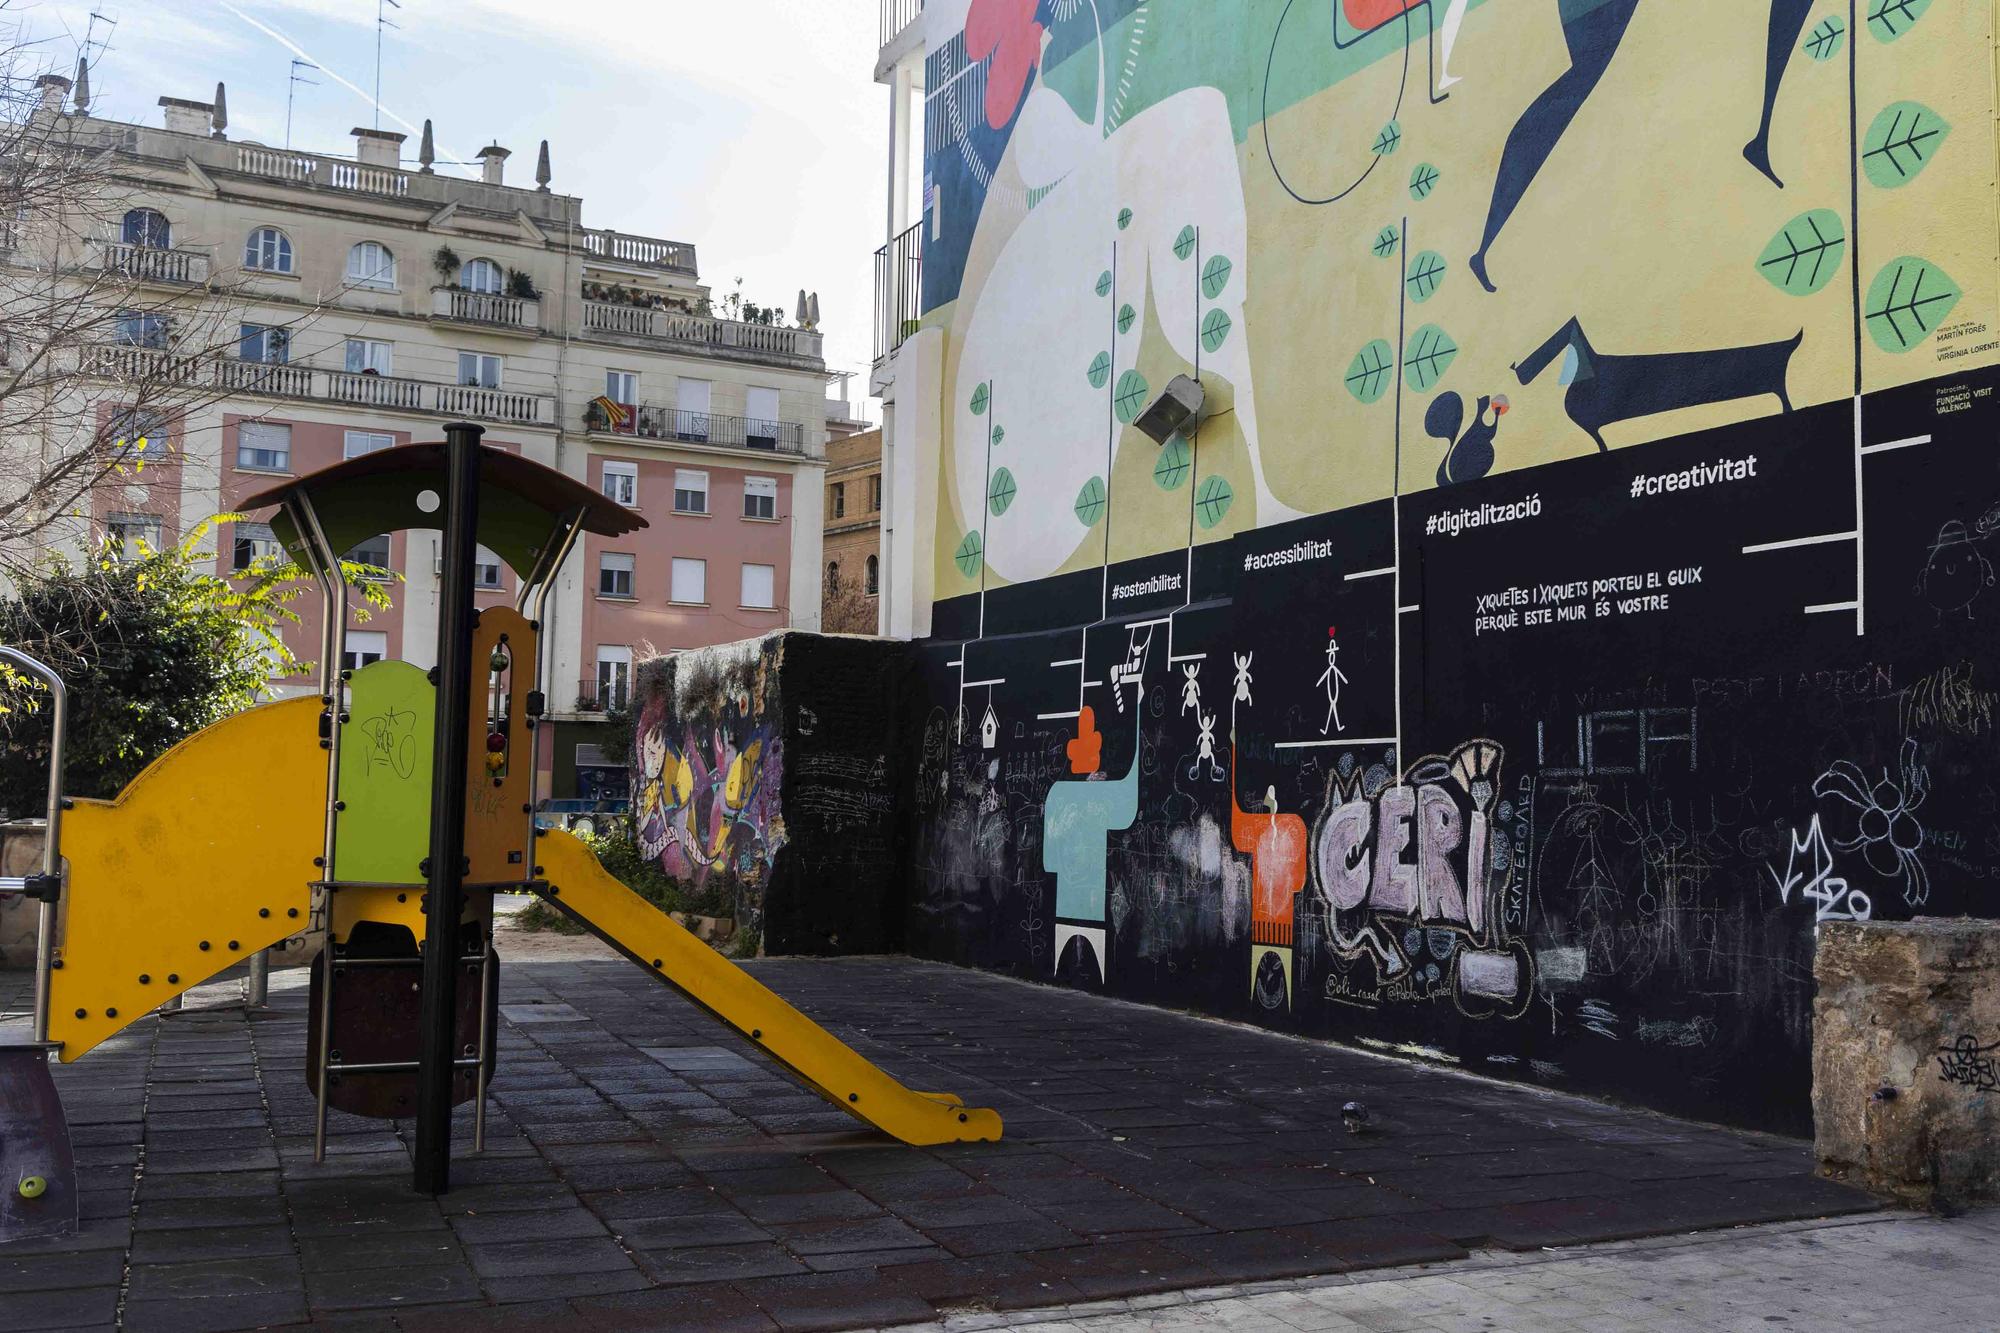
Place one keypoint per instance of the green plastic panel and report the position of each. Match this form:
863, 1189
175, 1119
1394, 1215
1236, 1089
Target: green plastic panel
383, 834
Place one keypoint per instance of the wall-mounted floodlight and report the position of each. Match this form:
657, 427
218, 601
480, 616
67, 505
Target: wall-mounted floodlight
1177, 408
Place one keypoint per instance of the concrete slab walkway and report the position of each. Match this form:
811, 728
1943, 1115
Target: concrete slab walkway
647, 1170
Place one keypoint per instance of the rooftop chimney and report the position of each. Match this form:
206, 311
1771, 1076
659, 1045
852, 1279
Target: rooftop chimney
493, 164
52, 88
378, 148
82, 99
219, 119
427, 151
542, 168
185, 117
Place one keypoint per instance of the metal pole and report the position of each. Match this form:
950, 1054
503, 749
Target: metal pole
45, 923
257, 989
457, 616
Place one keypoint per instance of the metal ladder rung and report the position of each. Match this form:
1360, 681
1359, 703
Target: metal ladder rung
397, 1066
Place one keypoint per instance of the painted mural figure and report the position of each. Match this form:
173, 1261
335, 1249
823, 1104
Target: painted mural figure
1592, 29
1788, 20
1470, 456
1191, 689
1078, 818
1205, 750
1332, 678
1242, 679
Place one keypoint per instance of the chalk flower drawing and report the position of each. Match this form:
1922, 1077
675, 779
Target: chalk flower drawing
1886, 827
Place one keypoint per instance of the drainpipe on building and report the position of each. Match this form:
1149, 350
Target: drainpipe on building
551, 648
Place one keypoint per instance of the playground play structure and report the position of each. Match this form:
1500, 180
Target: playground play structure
389, 809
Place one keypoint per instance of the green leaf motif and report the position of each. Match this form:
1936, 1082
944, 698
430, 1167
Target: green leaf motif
1215, 276
1104, 283
1890, 19
1389, 140
1824, 41
1804, 256
1909, 298
1369, 373
981, 396
1426, 272
1100, 370
1900, 143
969, 555
1124, 218
1423, 180
1184, 243
1000, 491
1171, 468
1212, 499
999, 436
1129, 398
1126, 316
1384, 244
1429, 355
1089, 504
1215, 327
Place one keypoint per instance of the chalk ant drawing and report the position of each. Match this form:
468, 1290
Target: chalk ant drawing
1970, 1065
1332, 678
1191, 689
1205, 750
1886, 827
1832, 897
1242, 679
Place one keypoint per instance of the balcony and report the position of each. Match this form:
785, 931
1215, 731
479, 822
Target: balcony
701, 334
898, 15
899, 290
312, 169
491, 312
144, 263
617, 247
211, 377
708, 430
593, 696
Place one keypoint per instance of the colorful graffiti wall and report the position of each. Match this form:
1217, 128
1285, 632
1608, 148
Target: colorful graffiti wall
1582, 580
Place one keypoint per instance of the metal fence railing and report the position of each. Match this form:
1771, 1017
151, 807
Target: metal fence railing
899, 290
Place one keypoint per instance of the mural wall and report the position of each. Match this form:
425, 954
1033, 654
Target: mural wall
1582, 582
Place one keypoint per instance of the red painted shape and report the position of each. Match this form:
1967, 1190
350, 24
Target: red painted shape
1277, 848
1366, 14
1088, 748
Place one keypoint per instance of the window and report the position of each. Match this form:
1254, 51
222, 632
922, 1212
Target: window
359, 442
363, 647
872, 576
621, 386
485, 569
690, 581
261, 342
137, 330
263, 446
760, 497
875, 494
134, 534
840, 499
761, 430
833, 576
373, 553
252, 544
621, 483
478, 370
268, 249
614, 574
133, 424
147, 227
691, 401
614, 675
369, 264
481, 275
690, 492
760, 584
367, 354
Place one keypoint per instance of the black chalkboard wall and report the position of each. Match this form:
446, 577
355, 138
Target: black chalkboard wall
1662, 711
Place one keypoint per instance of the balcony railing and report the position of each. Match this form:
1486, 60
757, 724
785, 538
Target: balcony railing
899, 290
311, 169
144, 263
700, 331
600, 696
721, 432
640, 251
488, 308
226, 375
898, 15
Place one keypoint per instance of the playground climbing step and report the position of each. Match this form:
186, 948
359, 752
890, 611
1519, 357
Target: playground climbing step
645, 1167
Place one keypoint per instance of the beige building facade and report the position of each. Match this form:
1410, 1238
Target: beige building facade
852, 545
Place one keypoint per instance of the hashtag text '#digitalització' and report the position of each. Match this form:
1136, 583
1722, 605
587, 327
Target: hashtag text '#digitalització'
1451, 522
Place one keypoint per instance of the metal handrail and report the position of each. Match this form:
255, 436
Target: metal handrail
45, 926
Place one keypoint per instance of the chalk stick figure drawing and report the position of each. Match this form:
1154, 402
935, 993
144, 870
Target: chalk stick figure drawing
1242, 678
1191, 690
1332, 678
1205, 750
1956, 573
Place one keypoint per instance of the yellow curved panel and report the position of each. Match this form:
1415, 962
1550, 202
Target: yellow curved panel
651, 938
214, 842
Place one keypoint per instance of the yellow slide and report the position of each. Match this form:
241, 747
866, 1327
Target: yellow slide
585, 891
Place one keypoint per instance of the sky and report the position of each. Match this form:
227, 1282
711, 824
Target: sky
752, 128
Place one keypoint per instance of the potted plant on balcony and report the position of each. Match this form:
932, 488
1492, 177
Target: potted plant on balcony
594, 416
446, 262
522, 286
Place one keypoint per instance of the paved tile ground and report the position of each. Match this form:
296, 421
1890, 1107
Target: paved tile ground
1886, 1272
646, 1170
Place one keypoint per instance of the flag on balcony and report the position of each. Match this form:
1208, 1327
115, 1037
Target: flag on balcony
619, 417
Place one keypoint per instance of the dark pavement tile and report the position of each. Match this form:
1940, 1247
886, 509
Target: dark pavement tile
209, 1278
543, 1224
714, 1308
718, 1263
1124, 1268
54, 1272
93, 1307
834, 1301
548, 1285
533, 1258
661, 1233
391, 1288
195, 1243
364, 1249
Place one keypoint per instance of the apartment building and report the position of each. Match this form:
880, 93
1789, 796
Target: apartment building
379, 300
852, 543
